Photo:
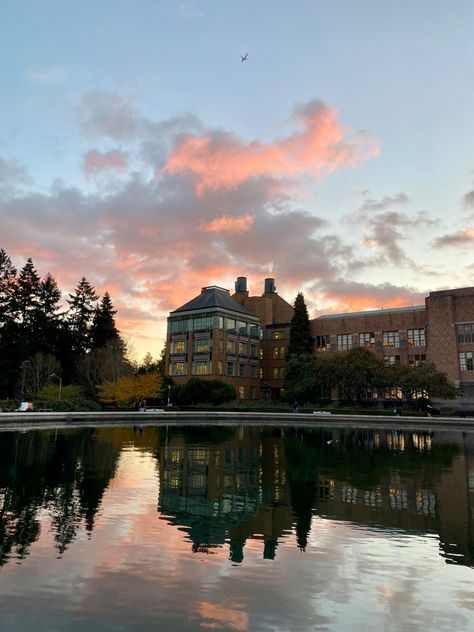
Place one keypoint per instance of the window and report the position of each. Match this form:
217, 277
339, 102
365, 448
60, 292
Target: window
253, 392
323, 343
282, 372
178, 347
253, 370
253, 351
367, 339
200, 367
465, 333
230, 368
261, 373
242, 328
241, 392
465, 361
242, 370
391, 339
344, 341
179, 326
202, 323
219, 367
219, 322
277, 335
276, 353
416, 337
390, 360
242, 348
254, 331
414, 360
200, 345
276, 373
282, 352
230, 346
230, 324
177, 368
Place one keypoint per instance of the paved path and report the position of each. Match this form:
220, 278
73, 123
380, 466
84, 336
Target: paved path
16, 421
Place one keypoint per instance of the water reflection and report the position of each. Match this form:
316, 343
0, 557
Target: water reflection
224, 487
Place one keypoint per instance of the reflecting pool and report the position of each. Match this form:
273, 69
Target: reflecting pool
236, 528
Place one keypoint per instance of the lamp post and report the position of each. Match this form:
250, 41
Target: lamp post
169, 391
60, 384
23, 366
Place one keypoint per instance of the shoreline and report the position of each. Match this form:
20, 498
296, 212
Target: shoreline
37, 421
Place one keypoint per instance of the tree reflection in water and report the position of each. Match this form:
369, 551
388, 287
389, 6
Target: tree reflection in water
224, 486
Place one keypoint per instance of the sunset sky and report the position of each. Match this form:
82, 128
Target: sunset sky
138, 151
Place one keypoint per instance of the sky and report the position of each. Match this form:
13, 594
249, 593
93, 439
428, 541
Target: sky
139, 151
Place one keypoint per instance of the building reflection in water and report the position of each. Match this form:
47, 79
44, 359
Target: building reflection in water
222, 487
261, 484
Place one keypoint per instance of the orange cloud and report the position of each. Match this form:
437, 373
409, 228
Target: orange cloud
94, 161
226, 162
227, 224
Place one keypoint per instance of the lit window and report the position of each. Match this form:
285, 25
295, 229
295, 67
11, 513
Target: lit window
275, 373
178, 347
231, 346
177, 368
391, 339
201, 345
277, 335
276, 353
200, 367
416, 337
242, 348
241, 392
323, 343
219, 367
367, 339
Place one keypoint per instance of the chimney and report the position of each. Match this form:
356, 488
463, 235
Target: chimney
270, 286
241, 285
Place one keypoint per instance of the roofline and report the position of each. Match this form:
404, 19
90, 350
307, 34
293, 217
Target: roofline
212, 310
373, 312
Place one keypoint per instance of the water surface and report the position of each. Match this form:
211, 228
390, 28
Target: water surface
236, 529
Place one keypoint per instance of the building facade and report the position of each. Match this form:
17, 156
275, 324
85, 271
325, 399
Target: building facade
243, 339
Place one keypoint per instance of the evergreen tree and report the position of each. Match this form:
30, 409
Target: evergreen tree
103, 330
27, 297
80, 315
7, 286
301, 340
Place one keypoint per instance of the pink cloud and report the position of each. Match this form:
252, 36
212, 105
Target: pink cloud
95, 161
226, 224
224, 161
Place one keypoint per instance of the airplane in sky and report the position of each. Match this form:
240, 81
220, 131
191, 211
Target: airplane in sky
244, 57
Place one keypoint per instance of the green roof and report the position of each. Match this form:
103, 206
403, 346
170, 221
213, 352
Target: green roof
375, 312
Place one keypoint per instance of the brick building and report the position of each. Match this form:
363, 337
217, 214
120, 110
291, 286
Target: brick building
243, 339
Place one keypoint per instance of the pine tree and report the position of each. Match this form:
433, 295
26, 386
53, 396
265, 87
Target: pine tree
301, 340
103, 328
27, 294
7, 286
81, 314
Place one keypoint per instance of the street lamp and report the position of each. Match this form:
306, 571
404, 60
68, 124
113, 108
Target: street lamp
23, 366
169, 390
60, 383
